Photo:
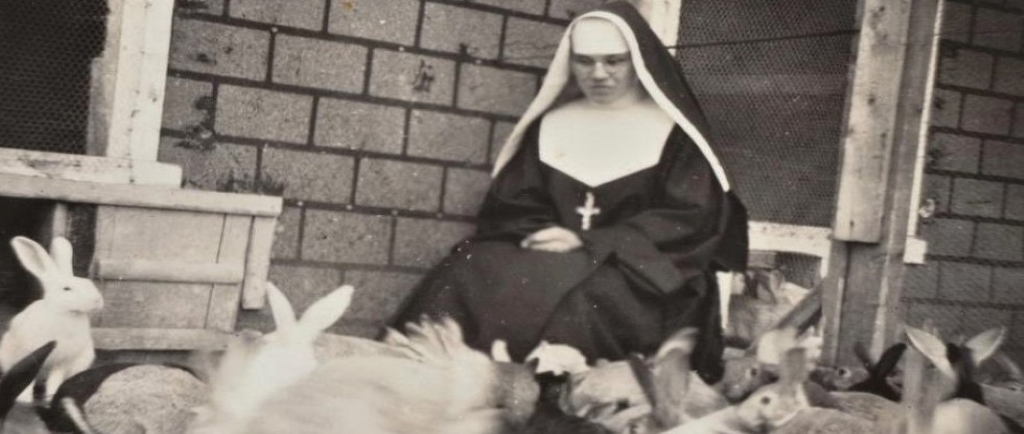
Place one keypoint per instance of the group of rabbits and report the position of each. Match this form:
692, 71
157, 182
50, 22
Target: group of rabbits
425, 379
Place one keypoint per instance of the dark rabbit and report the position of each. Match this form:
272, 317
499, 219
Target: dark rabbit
548, 417
17, 418
959, 362
881, 374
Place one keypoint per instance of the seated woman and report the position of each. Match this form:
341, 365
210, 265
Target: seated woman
608, 213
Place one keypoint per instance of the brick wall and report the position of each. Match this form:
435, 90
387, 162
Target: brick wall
376, 119
974, 275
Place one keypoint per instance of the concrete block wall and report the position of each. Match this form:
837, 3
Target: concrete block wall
375, 119
974, 178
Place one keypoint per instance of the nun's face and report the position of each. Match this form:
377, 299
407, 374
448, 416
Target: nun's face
601, 63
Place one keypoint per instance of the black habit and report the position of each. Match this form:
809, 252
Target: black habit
648, 261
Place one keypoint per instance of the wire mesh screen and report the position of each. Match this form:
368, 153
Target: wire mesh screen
771, 77
46, 47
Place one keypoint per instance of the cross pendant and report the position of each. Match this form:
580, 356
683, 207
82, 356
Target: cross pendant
587, 211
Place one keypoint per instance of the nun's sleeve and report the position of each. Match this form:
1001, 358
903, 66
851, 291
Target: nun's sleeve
677, 237
517, 203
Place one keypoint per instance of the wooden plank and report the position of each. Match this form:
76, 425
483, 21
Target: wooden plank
779, 237
112, 338
106, 227
168, 271
223, 308
833, 288
153, 304
183, 236
918, 75
234, 239
257, 264
870, 125
225, 299
87, 168
143, 196
129, 79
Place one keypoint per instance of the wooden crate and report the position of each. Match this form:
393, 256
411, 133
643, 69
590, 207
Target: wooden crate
175, 266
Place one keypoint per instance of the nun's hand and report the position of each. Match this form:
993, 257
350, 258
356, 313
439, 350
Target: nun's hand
554, 239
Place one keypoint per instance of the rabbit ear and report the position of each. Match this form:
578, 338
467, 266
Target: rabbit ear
985, 344
34, 257
774, 343
16, 379
683, 340
669, 381
776, 280
932, 348
62, 254
793, 369
763, 286
280, 308
499, 352
326, 311
890, 358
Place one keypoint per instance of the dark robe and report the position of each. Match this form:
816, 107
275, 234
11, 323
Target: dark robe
646, 268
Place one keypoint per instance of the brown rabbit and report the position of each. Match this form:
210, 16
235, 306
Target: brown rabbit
767, 409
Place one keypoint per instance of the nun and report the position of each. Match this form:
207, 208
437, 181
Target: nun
608, 214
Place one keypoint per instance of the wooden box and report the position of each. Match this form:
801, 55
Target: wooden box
175, 266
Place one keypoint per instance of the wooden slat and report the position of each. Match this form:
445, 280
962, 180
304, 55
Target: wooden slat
106, 228
128, 80
138, 196
224, 301
87, 168
158, 339
165, 271
147, 304
182, 236
870, 127
223, 309
806, 240
257, 264
833, 286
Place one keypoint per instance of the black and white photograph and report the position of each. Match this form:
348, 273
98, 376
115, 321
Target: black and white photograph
511, 216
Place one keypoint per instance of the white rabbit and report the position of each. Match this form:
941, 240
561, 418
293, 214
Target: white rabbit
442, 387
255, 367
62, 315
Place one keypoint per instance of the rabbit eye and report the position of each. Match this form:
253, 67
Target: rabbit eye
843, 372
753, 372
765, 400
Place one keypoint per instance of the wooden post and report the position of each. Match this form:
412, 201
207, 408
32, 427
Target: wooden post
128, 80
886, 102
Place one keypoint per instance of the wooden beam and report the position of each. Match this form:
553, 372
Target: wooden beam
87, 168
144, 196
168, 271
257, 263
128, 80
874, 277
109, 338
869, 130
